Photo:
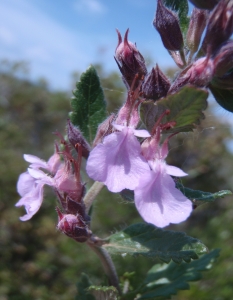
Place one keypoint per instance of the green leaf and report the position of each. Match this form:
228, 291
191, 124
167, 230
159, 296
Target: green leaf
83, 285
223, 97
181, 8
162, 281
185, 107
199, 197
88, 105
104, 292
148, 240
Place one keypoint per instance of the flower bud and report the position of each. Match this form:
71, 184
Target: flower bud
75, 208
223, 60
68, 181
155, 85
220, 26
167, 24
130, 61
205, 4
73, 226
196, 27
200, 73
75, 137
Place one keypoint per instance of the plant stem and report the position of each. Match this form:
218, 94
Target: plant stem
91, 194
182, 56
107, 264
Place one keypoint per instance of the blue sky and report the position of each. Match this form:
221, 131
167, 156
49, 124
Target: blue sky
58, 37
62, 36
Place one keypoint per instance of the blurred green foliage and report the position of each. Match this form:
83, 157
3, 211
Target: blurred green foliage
37, 261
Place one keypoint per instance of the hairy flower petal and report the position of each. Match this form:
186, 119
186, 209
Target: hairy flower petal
35, 161
31, 183
174, 171
41, 176
118, 162
32, 201
25, 183
158, 201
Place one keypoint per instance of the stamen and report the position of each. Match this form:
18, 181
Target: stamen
164, 147
154, 129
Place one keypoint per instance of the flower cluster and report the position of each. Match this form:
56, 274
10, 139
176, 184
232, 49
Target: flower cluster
62, 173
121, 162
123, 154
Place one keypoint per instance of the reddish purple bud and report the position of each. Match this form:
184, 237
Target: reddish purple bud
73, 207
220, 26
155, 85
73, 226
68, 180
197, 25
130, 61
167, 24
75, 137
205, 4
200, 73
105, 128
223, 61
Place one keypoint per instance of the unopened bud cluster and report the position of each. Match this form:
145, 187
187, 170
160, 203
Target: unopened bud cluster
210, 63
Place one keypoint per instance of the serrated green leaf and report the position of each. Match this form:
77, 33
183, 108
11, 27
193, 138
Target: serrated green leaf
185, 107
223, 97
148, 240
88, 105
199, 197
83, 284
181, 8
162, 281
104, 292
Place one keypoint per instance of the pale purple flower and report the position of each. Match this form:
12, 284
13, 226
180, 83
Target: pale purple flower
117, 162
31, 183
157, 199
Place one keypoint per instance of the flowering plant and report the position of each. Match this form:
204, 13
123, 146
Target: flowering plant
126, 152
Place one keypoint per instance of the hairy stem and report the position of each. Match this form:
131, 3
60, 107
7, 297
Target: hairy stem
91, 194
107, 264
182, 56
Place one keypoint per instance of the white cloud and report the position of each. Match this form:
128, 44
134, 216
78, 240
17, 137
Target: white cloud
90, 6
53, 50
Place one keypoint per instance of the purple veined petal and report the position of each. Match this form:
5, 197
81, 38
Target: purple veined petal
174, 171
117, 162
32, 201
35, 161
141, 133
159, 202
25, 183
